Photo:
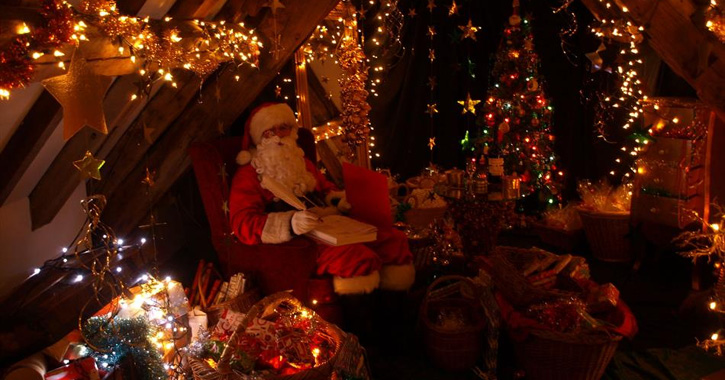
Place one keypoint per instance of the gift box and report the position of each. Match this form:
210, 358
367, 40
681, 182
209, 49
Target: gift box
84, 369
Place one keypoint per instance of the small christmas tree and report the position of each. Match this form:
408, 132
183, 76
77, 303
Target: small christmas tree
516, 122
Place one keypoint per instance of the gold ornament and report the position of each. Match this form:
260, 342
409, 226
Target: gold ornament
431, 31
432, 82
431, 5
469, 105
469, 31
432, 109
432, 54
453, 9
595, 58
89, 166
411, 12
80, 91
532, 84
149, 179
431, 142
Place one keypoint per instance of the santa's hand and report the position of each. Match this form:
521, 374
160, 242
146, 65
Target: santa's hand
344, 205
304, 221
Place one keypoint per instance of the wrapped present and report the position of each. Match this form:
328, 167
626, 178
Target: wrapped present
228, 323
602, 298
84, 369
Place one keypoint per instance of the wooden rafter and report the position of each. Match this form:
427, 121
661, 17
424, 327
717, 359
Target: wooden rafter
689, 50
128, 202
61, 178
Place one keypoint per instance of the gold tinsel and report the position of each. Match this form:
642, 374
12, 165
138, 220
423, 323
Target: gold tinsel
353, 95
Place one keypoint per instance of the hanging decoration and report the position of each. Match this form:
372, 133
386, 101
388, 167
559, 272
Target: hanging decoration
516, 117
154, 46
89, 166
716, 20
710, 243
81, 93
568, 30
431, 106
623, 104
274, 5
353, 96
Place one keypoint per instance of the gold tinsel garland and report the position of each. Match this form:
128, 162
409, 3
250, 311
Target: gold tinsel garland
716, 21
353, 95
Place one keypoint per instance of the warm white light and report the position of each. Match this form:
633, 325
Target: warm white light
143, 240
713, 305
78, 278
36, 271
714, 336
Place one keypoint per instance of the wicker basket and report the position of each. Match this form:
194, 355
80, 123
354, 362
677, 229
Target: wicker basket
565, 240
346, 354
607, 234
457, 348
549, 355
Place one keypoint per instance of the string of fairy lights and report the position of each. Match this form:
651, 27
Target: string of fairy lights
155, 47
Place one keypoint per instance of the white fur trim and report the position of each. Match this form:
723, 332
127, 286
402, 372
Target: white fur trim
397, 277
356, 285
277, 228
268, 117
332, 195
243, 157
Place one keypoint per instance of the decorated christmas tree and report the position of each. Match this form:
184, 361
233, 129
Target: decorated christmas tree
516, 118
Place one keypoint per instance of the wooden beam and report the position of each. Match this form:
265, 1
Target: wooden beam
26, 141
689, 50
61, 178
128, 204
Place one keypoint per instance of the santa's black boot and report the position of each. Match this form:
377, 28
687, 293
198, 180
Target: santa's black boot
395, 314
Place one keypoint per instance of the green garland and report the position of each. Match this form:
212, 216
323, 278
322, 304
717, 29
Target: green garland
119, 338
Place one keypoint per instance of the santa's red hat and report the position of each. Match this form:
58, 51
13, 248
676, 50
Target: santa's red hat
261, 119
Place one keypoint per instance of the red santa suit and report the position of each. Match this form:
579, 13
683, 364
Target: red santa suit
357, 268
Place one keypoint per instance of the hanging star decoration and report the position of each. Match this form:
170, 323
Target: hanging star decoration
469, 31
595, 58
432, 54
431, 5
361, 13
431, 31
432, 82
80, 91
432, 109
411, 13
325, 79
469, 105
149, 180
274, 5
278, 91
89, 166
148, 133
453, 9
431, 142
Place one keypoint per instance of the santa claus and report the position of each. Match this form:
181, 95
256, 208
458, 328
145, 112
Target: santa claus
258, 217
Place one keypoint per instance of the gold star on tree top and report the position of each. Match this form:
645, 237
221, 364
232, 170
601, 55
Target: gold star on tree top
80, 91
432, 109
469, 105
453, 9
469, 31
89, 166
431, 143
431, 5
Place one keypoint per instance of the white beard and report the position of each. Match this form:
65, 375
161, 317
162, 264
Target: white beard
284, 161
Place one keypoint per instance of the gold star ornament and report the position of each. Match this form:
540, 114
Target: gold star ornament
80, 91
432, 54
411, 13
432, 109
431, 31
431, 5
453, 9
469, 105
149, 180
469, 31
431, 142
274, 5
89, 166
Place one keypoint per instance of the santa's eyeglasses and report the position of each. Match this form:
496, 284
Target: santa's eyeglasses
278, 130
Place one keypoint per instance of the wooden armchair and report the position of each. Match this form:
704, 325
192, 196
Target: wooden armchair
276, 267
